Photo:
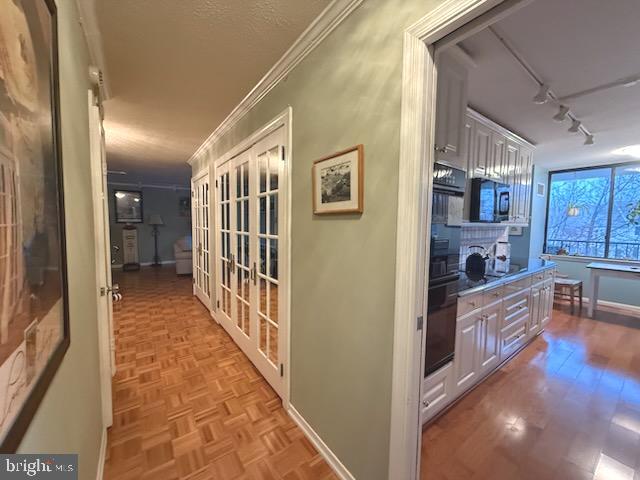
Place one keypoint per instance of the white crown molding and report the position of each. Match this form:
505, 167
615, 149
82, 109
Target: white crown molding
89, 23
321, 27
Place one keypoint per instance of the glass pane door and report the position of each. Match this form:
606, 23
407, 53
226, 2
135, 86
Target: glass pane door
242, 250
224, 237
200, 239
269, 165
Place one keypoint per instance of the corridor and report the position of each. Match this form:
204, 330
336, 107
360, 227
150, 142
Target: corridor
187, 403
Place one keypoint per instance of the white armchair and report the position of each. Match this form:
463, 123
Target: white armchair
183, 254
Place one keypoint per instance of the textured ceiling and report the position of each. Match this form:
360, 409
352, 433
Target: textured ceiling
573, 45
176, 69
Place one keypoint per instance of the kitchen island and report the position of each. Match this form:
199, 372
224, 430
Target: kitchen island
496, 318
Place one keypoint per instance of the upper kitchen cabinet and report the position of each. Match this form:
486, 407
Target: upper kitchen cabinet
451, 106
493, 152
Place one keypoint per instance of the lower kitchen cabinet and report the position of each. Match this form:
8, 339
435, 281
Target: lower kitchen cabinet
466, 358
489, 348
437, 391
490, 328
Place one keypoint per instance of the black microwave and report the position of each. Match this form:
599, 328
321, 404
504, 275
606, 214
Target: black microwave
490, 201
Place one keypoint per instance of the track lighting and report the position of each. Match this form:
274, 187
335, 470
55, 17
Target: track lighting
562, 114
575, 126
589, 140
542, 96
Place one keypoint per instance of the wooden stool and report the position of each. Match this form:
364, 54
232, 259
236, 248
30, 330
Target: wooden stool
567, 287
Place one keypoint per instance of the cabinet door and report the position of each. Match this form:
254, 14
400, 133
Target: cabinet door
466, 357
537, 308
451, 106
498, 157
481, 156
526, 165
489, 351
547, 303
513, 174
437, 391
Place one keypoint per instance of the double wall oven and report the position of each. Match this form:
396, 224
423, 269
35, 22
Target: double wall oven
444, 266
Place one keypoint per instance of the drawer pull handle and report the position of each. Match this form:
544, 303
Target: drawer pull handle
425, 403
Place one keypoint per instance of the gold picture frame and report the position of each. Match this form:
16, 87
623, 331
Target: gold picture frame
338, 182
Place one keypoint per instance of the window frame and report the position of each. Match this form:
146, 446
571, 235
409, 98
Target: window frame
607, 238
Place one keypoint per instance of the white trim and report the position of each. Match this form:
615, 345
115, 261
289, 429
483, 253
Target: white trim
633, 309
321, 27
102, 455
334, 462
499, 128
577, 259
415, 185
89, 24
117, 266
149, 185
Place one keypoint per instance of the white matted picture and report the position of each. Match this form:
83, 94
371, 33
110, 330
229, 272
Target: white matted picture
338, 182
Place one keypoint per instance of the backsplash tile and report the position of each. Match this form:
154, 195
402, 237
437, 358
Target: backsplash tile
485, 236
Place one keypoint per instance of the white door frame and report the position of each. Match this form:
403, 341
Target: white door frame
284, 120
204, 172
417, 129
106, 342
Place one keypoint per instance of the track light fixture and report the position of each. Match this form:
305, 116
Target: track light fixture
562, 114
542, 96
575, 126
589, 140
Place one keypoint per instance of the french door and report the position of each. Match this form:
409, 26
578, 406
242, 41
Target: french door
249, 234
200, 239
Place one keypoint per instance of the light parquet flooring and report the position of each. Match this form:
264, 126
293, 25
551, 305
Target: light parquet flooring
566, 407
187, 403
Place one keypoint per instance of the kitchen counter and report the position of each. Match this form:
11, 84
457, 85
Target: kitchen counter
519, 269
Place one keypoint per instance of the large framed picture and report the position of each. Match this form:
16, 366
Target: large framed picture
34, 324
338, 182
128, 206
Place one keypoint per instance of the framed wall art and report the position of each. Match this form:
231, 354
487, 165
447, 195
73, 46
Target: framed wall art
128, 206
338, 182
34, 323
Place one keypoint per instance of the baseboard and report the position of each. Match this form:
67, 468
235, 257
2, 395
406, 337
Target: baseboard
330, 457
118, 266
634, 309
102, 457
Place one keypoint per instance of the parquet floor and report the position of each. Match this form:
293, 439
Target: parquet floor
566, 407
187, 403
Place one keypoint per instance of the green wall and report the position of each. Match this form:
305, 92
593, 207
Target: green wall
69, 419
155, 200
346, 92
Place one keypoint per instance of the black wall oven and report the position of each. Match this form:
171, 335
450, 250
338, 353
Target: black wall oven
444, 265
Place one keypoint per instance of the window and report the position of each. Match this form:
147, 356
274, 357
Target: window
595, 212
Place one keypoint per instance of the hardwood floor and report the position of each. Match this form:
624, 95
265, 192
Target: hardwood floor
566, 407
187, 403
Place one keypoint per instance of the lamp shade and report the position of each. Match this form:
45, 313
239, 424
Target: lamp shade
155, 219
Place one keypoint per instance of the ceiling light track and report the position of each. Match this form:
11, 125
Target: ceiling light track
629, 81
544, 93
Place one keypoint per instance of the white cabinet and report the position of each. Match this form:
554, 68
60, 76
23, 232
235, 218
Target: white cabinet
437, 391
489, 347
495, 153
466, 353
537, 307
451, 106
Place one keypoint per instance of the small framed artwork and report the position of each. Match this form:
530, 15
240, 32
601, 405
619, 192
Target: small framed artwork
338, 182
540, 189
128, 206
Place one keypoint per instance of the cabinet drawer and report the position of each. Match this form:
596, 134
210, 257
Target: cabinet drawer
516, 308
518, 285
550, 273
492, 295
538, 277
469, 303
512, 338
437, 391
